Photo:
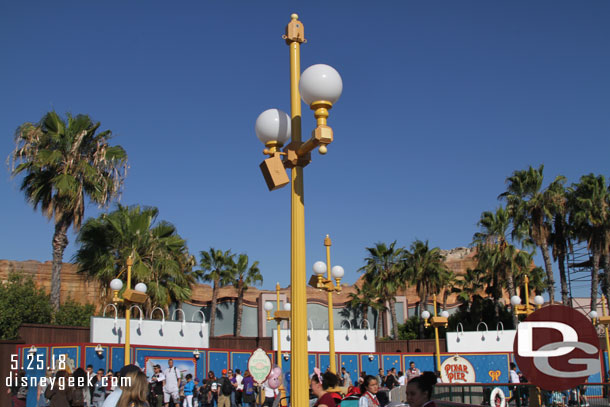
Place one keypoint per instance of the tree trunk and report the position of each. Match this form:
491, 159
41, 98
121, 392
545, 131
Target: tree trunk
394, 319
378, 332
60, 242
213, 307
511, 292
384, 325
561, 260
365, 316
240, 303
607, 277
422, 307
594, 279
548, 266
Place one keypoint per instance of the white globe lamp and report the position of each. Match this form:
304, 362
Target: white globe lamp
515, 300
593, 314
538, 300
445, 314
337, 272
273, 127
268, 306
425, 314
116, 284
319, 268
320, 83
287, 306
141, 287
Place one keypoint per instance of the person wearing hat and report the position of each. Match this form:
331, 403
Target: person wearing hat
157, 381
171, 389
113, 398
225, 388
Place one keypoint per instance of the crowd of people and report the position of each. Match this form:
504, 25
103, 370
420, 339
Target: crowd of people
520, 393
170, 387
419, 388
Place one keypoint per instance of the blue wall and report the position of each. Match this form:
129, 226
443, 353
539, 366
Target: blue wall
218, 359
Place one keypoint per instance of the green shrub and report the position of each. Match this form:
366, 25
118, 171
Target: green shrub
72, 313
21, 302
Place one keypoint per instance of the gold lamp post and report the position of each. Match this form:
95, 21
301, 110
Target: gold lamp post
326, 284
135, 296
526, 309
321, 87
436, 321
279, 316
603, 320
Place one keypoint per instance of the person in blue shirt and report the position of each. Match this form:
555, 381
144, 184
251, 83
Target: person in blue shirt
188, 391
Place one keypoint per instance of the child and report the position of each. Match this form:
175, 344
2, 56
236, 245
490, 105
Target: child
188, 391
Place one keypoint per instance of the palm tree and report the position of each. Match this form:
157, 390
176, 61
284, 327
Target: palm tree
160, 255
215, 268
242, 277
471, 284
495, 255
557, 196
590, 217
383, 271
531, 210
363, 299
425, 268
63, 162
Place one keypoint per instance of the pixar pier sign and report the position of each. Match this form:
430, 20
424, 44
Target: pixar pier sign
557, 348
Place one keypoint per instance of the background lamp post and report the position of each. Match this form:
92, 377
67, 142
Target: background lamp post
321, 86
603, 320
436, 322
326, 284
526, 309
279, 316
136, 296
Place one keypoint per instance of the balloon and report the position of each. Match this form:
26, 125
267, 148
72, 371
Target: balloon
274, 380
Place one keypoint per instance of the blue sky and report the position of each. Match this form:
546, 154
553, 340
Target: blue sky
442, 101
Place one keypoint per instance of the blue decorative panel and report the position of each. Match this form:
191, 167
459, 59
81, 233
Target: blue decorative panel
312, 362
72, 355
98, 362
369, 366
218, 360
324, 359
35, 366
239, 360
117, 360
424, 362
390, 361
350, 363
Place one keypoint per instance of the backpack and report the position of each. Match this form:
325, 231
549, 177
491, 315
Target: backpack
226, 387
249, 388
78, 398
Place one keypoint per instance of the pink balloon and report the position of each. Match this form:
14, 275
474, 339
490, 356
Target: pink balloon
274, 379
